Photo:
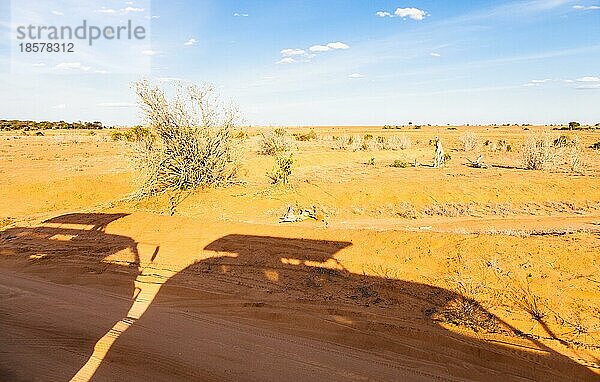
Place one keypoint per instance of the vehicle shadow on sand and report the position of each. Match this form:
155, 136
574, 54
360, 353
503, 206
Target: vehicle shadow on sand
291, 286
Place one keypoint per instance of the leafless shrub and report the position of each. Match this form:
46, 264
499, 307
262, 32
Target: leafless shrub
464, 310
526, 299
469, 141
539, 153
274, 142
580, 320
194, 144
395, 142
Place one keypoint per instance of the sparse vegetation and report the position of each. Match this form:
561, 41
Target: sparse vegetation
538, 152
275, 142
193, 143
9, 125
469, 141
464, 310
310, 136
398, 163
135, 134
283, 168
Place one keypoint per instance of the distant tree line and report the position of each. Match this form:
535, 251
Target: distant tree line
47, 125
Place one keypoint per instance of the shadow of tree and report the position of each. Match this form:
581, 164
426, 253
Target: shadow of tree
273, 308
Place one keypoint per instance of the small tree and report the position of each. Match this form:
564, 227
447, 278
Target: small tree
193, 143
574, 125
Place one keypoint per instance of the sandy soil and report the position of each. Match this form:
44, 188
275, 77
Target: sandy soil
419, 274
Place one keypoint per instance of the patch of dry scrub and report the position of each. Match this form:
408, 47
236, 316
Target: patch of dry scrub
275, 142
469, 141
539, 152
193, 143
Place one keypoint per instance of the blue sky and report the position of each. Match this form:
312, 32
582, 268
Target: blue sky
327, 62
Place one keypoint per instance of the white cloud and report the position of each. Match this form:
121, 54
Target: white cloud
319, 48
191, 42
237, 14
72, 66
412, 13
132, 9
356, 75
588, 79
537, 82
56, 13
588, 87
106, 10
116, 104
286, 60
433, 54
101, 71
330, 46
292, 52
291, 55
586, 7
60, 106
38, 65
152, 17
337, 45
149, 52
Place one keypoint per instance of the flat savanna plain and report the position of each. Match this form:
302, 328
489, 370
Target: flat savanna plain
412, 273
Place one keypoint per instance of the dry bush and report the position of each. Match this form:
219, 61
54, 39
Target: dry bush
539, 152
194, 144
310, 136
283, 169
395, 142
274, 142
469, 141
355, 142
523, 297
398, 163
581, 321
464, 310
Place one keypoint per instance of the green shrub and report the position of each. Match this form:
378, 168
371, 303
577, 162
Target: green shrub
282, 170
116, 135
311, 135
398, 163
